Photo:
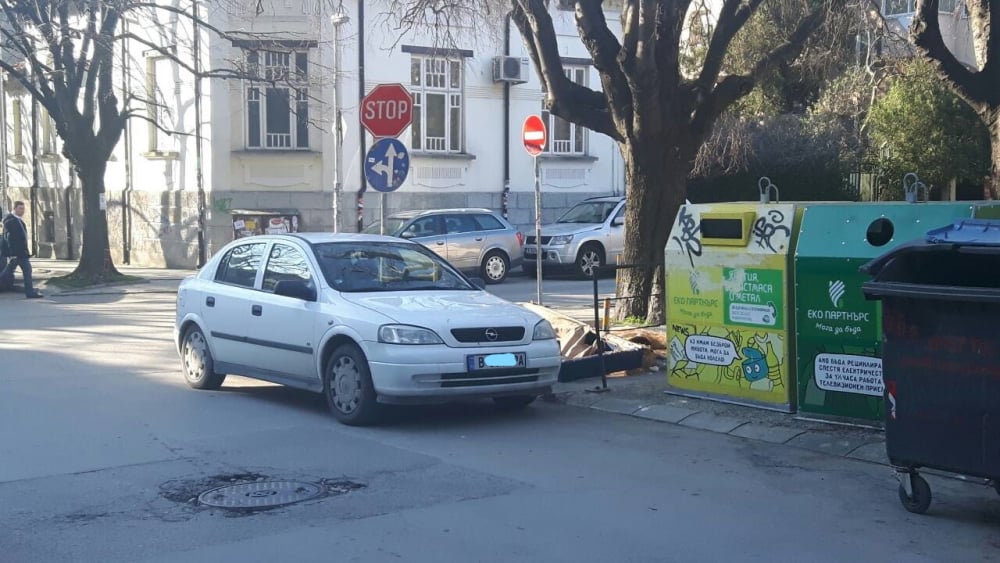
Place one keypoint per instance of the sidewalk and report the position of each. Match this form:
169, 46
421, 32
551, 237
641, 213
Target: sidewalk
154, 280
643, 396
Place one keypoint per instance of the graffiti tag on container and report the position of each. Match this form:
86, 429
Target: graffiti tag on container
688, 240
767, 226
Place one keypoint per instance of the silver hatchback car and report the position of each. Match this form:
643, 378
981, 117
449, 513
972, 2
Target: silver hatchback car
477, 241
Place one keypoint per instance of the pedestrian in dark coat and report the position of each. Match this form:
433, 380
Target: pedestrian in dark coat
15, 234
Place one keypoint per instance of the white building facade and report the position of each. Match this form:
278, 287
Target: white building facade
272, 145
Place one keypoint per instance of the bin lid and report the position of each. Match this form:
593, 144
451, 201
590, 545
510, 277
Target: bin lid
970, 232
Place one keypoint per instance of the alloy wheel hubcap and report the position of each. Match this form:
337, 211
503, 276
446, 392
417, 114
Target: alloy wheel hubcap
346, 385
495, 268
589, 261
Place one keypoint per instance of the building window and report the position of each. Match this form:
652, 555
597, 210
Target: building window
904, 7
161, 87
566, 137
50, 138
277, 98
17, 126
436, 85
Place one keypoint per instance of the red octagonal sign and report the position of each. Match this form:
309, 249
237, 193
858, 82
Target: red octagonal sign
387, 110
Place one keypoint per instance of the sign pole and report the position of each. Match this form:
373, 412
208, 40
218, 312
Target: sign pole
381, 213
538, 229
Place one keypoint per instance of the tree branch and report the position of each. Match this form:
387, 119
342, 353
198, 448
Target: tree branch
604, 50
732, 17
564, 98
925, 32
638, 61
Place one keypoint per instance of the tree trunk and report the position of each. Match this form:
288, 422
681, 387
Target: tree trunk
657, 185
992, 183
95, 258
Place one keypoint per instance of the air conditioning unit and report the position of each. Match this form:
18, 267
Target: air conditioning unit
510, 69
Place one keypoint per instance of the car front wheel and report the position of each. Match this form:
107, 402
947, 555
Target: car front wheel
199, 366
347, 384
591, 257
495, 267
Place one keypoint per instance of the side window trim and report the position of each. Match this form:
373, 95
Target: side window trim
310, 266
224, 265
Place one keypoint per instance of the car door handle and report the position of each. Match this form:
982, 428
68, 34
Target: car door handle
479, 239
257, 310
210, 301
440, 242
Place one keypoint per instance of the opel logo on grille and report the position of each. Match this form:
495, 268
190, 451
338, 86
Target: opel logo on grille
491, 334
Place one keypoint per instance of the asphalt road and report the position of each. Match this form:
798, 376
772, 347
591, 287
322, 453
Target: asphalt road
102, 448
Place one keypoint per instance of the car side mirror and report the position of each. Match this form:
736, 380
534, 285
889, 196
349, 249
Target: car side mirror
480, 283
297, 289
617, 221
406, 235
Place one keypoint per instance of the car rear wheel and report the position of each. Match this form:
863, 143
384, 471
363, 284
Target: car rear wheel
590, 256
347, 384
199, 366
495, 267
514, 402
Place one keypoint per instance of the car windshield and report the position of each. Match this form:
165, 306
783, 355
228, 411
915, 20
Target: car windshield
589, 212
360, 267
392, 226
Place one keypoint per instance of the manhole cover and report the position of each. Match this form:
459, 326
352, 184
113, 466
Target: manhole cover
262, 494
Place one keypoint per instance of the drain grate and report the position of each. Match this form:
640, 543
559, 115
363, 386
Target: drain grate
260, 494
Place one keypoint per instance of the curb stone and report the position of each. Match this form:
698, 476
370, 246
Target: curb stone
835, 441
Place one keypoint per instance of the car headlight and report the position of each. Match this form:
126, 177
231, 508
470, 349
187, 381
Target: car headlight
406, 334
560, 240
543, 331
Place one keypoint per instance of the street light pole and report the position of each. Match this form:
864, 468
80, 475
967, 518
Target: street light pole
338, 19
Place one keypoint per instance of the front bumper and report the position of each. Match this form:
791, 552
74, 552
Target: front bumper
434, 374
554, 256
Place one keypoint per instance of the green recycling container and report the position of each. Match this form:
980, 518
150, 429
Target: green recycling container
838, 332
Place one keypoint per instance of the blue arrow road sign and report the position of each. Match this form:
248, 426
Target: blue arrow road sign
386, 165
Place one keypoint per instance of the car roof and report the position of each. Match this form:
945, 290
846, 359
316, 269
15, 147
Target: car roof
320, 237
606, 198
419, 212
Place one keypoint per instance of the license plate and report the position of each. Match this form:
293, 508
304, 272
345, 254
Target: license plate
529, 253
481, 362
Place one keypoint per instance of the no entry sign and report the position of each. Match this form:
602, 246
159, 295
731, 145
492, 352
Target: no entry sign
533, 135
387, 110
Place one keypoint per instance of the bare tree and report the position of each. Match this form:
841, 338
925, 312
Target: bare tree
658, 114
977, 87
65, 54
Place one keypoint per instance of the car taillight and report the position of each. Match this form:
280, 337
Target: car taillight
520, 239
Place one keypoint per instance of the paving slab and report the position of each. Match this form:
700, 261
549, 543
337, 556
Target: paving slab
873, 452
712, 422
620, 406
583, 399
827, 442
767, 433
665, 413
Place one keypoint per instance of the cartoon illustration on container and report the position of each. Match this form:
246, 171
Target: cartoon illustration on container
732, 357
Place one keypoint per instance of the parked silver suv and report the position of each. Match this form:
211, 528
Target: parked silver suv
591, 233
477, 241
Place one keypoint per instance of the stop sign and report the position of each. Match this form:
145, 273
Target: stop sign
533, 135
387, 110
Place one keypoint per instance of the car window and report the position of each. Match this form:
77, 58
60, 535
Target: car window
589, 212
424, 227
489, 223
285, 263
392, 224
381, 266
239, 266
456, 224
620, 216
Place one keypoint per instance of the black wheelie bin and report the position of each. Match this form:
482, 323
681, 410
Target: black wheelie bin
941, 354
